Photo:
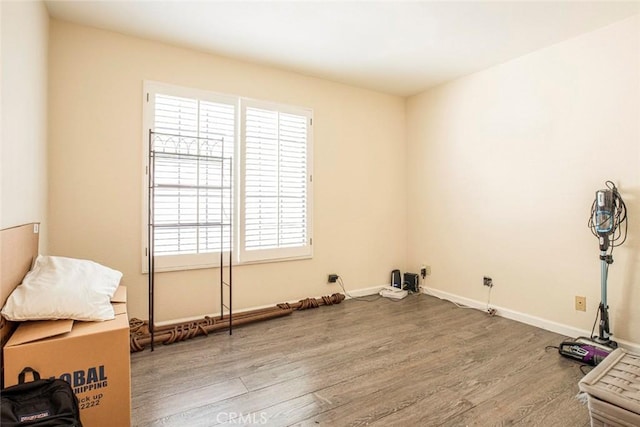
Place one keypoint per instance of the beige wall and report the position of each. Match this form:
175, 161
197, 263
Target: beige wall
497, 175
503, 166
95, 159
23, 171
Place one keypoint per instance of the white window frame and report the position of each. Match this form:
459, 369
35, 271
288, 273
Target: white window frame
182, 261
276, 254
240, 255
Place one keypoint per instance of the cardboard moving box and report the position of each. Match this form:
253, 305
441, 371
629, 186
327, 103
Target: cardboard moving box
92, 356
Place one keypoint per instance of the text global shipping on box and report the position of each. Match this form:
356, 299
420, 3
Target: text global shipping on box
91, 356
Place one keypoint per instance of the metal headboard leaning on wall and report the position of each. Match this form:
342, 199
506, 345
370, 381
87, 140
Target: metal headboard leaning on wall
18, 249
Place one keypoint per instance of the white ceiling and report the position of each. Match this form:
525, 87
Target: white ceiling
396, 47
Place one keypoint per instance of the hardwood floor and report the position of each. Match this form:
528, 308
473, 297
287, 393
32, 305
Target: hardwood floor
417, 362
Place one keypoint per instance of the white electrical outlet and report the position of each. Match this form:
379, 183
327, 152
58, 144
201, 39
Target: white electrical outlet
425, 270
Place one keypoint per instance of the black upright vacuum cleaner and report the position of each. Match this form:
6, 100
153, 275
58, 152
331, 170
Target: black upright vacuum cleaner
608, 222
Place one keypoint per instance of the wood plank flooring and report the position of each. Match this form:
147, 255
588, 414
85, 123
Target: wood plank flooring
417, 362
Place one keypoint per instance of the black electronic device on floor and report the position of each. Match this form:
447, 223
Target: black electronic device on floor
411, 282
396, 280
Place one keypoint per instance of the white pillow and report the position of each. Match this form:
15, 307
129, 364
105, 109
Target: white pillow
64, 288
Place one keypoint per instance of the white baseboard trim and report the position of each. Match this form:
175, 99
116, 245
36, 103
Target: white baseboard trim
528, 319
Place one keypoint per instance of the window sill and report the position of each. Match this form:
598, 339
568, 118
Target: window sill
213, 265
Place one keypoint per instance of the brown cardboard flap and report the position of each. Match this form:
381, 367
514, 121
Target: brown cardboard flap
34, 331
120, 294
119, 308
121, 321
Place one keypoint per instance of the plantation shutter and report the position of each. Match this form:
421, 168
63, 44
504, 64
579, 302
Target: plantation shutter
277, 183
195, 185
222, 159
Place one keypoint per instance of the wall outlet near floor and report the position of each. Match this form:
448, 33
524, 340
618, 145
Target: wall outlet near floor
581, 303
487, 281
333, 278
425, 270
